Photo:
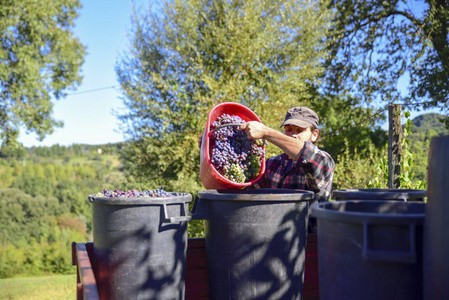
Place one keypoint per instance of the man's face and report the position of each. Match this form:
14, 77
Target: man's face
303, 134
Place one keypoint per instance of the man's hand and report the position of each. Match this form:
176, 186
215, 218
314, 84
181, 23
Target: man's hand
254, 130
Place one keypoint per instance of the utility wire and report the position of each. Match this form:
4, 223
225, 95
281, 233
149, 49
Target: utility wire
415, 104
381, 110
330, 134
93, 90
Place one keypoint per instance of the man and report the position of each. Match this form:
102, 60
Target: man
302, 165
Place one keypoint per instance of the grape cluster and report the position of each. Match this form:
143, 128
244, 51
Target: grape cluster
160, 192
232, 154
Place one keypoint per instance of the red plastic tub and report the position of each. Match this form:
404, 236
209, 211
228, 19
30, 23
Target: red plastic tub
209, 176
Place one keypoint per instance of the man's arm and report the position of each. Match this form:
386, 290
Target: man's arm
256, 130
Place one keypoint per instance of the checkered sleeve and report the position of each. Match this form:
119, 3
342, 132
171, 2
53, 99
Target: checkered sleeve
318, 167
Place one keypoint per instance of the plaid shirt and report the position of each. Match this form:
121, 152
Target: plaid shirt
313, 171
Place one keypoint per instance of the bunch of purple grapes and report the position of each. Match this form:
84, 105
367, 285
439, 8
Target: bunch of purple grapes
159, 192
232, 154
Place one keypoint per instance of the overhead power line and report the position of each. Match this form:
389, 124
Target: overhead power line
378, 112
93, 90
330, 134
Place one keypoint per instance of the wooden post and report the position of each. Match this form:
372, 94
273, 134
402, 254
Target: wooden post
394, 145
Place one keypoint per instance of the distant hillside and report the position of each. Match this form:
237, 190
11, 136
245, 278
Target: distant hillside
424, 128
426, 122
75, 150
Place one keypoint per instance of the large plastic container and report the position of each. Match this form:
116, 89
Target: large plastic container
436, 226
140, 246
370, 249
379, 194
210, 177
255, 242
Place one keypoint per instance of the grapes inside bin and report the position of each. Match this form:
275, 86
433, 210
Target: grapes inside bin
228, 159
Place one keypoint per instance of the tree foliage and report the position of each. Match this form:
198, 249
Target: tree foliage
187, 56
379, 45
40, 58
349, 128
355, 168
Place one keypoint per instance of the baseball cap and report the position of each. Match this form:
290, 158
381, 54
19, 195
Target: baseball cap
301, 116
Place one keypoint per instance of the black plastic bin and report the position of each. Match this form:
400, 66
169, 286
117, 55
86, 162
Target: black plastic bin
370, 249
140, 246
255, 242
379, 194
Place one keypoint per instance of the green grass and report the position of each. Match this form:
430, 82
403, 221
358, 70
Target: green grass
61, 287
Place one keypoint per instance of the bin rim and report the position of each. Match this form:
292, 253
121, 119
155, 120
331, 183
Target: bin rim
380, 193
182, 198
320, 210
288, 195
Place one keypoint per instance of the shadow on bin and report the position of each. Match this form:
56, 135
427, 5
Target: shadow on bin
140, 246
379, 194
370, 249
255, 242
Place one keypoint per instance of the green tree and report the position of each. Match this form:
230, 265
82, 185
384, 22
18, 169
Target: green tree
49, 172
12, 261
74, 197
40, 58
34, 185
379, 45
187, 56
17, 151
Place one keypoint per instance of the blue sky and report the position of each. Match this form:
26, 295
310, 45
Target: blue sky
88, 112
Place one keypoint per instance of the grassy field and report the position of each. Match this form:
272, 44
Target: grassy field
61, 287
